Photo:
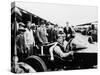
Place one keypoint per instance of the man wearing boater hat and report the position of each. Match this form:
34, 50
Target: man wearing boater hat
29, 39
20, 41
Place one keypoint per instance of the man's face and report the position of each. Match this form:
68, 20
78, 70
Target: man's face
43, 25
67, 24
22, 32
56, 28
29, 24
60, 39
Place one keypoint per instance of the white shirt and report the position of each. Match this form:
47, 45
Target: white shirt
29, 38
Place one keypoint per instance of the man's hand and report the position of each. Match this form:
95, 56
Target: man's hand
52, 58
27, 47
33, 43
68, 35
71, 52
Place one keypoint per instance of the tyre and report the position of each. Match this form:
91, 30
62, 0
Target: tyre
36, 63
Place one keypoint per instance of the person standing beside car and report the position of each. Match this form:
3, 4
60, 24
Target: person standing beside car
69, 31
42, 34
20, 41
29, 39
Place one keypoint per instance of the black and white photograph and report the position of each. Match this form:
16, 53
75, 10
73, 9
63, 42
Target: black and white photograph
49, 37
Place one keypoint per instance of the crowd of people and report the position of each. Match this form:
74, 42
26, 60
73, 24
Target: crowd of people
30, 37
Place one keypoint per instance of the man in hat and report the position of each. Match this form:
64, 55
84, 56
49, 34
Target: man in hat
42, 33
29, 39
20, 41
50, 31
69, 32
59, 47
54, 33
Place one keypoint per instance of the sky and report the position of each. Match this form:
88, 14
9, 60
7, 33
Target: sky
61, 13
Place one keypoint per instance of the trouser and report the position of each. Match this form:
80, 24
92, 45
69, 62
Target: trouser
29, 50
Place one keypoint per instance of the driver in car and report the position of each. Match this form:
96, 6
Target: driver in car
59, 47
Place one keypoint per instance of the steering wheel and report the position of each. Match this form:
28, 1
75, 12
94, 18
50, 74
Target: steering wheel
69, 47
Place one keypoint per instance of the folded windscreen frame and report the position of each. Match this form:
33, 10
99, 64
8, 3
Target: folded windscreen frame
53, 37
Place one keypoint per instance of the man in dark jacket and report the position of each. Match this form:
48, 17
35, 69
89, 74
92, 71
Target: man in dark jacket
20, 41
69, 32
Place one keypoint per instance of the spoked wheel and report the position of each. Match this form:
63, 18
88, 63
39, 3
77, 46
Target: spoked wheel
37, 63
31, 64
69, 45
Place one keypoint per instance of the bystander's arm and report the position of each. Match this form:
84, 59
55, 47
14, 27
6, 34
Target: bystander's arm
51, 51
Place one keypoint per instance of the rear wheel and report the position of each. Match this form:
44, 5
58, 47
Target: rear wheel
25, 68
37, 63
